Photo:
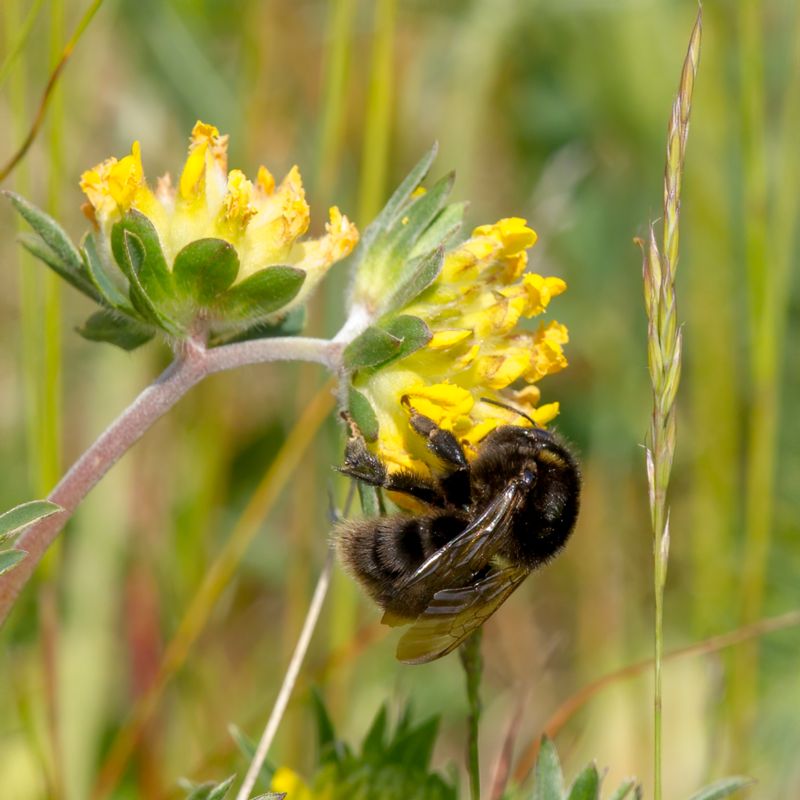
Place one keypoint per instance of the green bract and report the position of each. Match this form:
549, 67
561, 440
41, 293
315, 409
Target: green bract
141, 294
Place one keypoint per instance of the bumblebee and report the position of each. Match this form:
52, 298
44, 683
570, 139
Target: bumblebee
487, 524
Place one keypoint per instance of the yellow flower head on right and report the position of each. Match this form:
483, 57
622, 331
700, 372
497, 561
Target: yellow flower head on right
477, 349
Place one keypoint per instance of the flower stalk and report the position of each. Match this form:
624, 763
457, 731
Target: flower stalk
664, 359
193, 364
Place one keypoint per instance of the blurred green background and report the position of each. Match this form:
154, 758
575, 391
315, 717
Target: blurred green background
552, 111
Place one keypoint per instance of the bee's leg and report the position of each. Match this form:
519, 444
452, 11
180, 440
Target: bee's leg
362, 465
445, 446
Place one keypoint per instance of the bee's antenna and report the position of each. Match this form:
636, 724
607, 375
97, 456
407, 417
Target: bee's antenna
508, 407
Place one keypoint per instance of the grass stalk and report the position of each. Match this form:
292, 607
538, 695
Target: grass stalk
336, 69
575, 702
769, 244
664, 360
472, 661
377, 125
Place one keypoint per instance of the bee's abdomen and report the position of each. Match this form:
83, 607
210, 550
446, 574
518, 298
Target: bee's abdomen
382, 553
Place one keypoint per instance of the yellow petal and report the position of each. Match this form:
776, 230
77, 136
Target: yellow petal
512, 233
443, 339
546, 413
440, 401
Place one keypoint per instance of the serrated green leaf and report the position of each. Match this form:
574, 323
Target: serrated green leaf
374, 346
205, 268
19, 517
37, 248
722, 788
444, 227
263, 293
586, 786
548, 778
416, 275
623, 790
51, 232
106, 326
248, 749
374, 742
363, 414
149, 265
10, 558
211, 791
95, 269
290, 324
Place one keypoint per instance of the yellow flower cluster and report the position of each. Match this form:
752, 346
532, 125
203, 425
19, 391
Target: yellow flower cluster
472, 310
262, 220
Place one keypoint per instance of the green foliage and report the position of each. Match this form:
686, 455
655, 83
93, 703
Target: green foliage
16, 520
219, 791
391, 764
724, 787
141, 294
549, 782
205, 268
400, 253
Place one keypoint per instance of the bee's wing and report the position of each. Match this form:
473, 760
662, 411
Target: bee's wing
454, 613
456, 562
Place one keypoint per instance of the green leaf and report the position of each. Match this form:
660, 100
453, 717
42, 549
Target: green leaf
37, 248
19, 517
444, 227
399, 199
417, 218
106, 326
211, 791
548, 778
51, 232
586, 786
149, 265
95, 269
374, 346
363, 414
326, 736
205, 268
722, 788
290, 324
248, 749
414, 748
624, 789
374, 742
130, 254
412, 330
10, 558
263, 293
417, 275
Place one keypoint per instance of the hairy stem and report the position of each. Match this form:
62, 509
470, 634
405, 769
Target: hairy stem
188, 369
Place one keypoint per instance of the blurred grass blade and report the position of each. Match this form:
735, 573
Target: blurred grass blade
21, 41
15, 159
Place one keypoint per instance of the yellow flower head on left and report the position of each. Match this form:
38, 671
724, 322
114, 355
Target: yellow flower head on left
264, 220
